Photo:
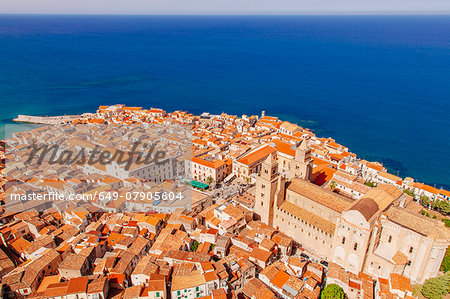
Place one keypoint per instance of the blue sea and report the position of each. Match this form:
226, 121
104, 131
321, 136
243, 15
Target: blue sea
377, 84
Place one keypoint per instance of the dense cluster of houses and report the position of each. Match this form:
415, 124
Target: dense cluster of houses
198, 246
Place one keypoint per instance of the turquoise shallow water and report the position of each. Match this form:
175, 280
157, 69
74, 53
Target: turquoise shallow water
377, 84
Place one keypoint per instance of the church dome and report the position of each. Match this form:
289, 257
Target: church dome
367, 207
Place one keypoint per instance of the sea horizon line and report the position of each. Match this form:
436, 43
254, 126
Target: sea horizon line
245, 13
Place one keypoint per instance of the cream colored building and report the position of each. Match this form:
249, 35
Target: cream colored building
375, 234
248, 165
294, 160
303, 211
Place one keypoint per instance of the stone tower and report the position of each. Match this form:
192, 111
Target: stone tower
266, 187
303, 162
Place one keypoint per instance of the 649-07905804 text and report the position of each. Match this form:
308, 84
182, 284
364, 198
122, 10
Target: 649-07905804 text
104, 195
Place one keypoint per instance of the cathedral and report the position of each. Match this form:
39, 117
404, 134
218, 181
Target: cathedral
376, 234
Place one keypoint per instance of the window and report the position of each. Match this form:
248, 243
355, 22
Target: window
343, 240
355, 246
390, 239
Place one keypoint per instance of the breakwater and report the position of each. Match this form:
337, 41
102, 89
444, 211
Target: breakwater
46, 120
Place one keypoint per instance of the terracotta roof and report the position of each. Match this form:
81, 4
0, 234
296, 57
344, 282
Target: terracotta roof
257, 155
56, 290
375, 165
46, 281
284, 147
280, 279
296, 261
20, 245
189, 281
77, 285
97, 285
418, 223
400, 258
354, 285
260, 254
316, 193
389, 176
384, 195
255, 288
73, 262
132, 292
322, 174
210, 276
430, 189
367, 207
445, 192
399, 282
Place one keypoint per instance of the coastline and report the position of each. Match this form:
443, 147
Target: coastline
376, 84
36, 121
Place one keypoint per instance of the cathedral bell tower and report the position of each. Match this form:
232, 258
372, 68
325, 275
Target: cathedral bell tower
266, 187
303, 162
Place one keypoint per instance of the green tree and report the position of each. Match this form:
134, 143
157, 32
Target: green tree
425, 201
194, 246
444, 207
209, 180
447, 222
434, 204
332, 291
333, 185
409, 192
370, 184
445, 266
436, 288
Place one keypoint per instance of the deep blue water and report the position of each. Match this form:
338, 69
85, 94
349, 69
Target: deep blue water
377, 84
